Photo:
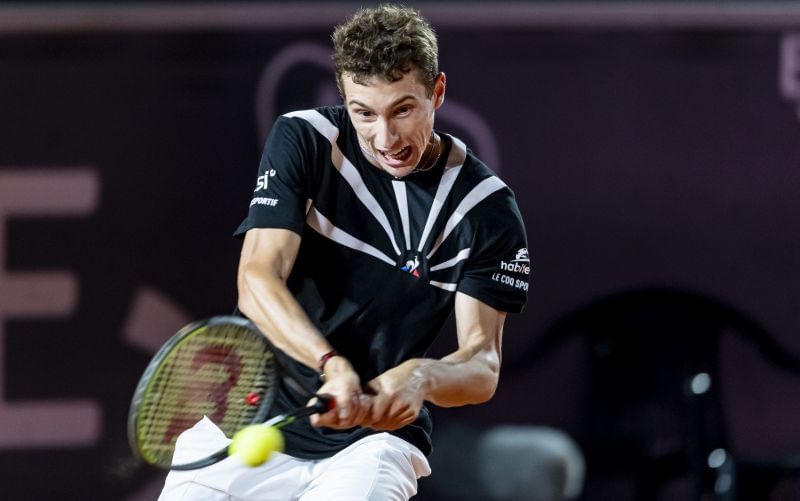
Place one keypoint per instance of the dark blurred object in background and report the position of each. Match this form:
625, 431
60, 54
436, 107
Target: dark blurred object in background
654, 417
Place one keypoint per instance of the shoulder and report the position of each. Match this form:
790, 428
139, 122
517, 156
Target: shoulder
310, 131
326, 120
477, 183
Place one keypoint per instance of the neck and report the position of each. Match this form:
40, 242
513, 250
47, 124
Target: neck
432, 154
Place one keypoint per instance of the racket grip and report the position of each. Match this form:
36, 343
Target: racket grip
324, 403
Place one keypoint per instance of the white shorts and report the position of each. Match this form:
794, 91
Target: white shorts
379, 467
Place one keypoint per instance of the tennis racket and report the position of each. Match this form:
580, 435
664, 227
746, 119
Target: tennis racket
223, 368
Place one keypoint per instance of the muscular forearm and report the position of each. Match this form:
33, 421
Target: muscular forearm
467, 376
470, 374
266, 301
460, 379
266, 262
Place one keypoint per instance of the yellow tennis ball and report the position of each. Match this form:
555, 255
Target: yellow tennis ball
255, 443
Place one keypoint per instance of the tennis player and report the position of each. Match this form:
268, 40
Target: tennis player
367, 229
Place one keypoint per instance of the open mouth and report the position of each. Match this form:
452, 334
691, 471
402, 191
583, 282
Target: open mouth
397, 157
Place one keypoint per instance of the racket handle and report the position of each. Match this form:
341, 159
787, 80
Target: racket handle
325, 403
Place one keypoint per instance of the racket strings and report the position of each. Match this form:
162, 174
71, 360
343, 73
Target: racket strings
220, 371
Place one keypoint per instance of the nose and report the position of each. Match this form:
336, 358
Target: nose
385, 135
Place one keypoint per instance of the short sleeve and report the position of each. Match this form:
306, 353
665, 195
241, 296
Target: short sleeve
284, 176
499, 268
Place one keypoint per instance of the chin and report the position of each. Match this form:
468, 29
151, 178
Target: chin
399, 171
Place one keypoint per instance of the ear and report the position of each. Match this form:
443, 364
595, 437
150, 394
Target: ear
438, 90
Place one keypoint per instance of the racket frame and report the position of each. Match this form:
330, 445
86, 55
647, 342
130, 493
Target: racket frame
155, 365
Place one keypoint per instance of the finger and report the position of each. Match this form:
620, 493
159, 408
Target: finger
398, 416
349, 406
378, 409
378, 419
363, 409
314, 418
329, 418
401, 411
360, 408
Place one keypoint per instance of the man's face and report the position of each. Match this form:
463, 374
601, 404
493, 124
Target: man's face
393, 120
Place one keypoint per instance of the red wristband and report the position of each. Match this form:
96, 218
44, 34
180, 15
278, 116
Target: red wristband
324, 360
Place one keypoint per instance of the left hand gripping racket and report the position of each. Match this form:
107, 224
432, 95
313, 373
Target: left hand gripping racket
223, 368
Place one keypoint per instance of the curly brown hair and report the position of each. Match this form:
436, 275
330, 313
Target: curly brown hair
387, 41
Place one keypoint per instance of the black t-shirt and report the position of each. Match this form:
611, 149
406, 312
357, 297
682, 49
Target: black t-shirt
381, 258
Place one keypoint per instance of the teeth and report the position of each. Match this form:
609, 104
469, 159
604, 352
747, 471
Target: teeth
396, 153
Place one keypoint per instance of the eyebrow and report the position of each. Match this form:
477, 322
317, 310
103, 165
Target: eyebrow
392, 105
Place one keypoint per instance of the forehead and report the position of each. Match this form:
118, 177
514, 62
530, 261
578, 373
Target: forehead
378, 91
